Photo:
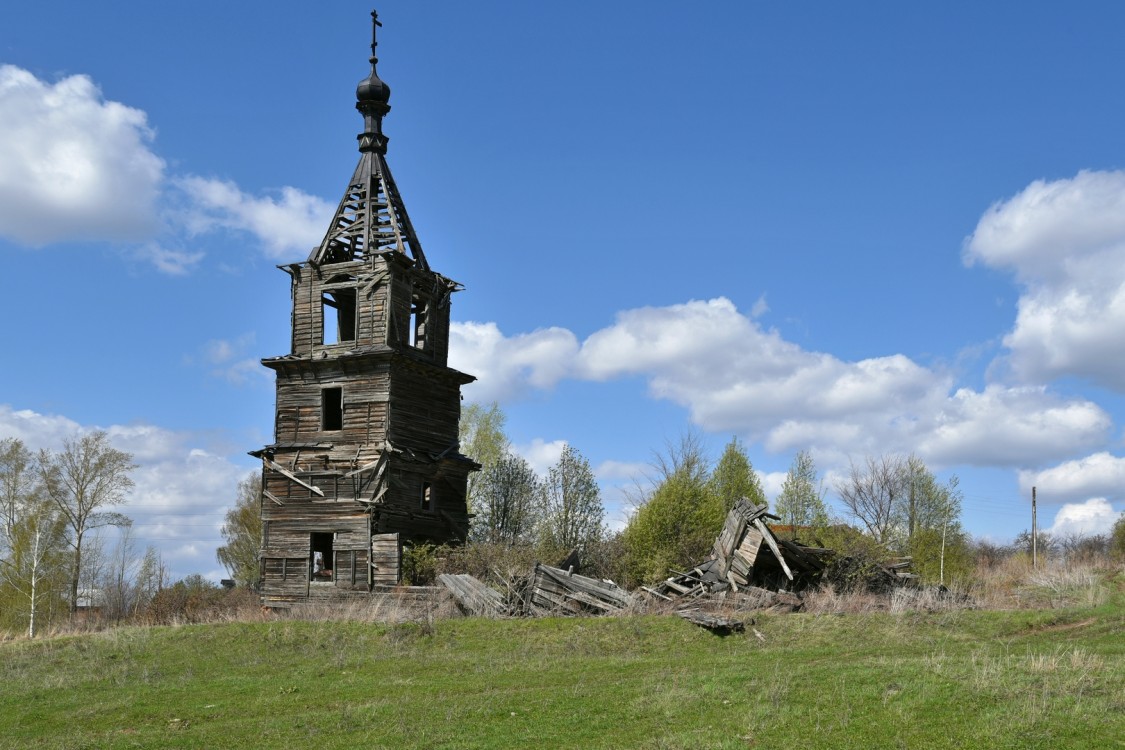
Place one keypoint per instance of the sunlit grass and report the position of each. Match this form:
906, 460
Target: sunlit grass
956, 678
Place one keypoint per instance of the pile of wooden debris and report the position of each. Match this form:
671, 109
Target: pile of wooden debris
749, 568
547, 591
747, 558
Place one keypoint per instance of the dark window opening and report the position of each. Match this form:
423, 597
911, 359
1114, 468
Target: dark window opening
320, 548
332, 409
339, 312
419, 317
427, 496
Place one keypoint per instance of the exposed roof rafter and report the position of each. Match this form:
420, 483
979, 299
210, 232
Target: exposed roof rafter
371, 218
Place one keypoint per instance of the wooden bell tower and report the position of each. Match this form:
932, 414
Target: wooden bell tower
365, 454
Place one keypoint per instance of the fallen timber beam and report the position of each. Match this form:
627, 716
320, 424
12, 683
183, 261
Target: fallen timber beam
714, 623
474, 597
291, 476
364, 468
768, 536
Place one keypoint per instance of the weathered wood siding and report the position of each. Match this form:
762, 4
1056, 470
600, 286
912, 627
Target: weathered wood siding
372, 285
427, 407
390, 466
300, 389
386, 559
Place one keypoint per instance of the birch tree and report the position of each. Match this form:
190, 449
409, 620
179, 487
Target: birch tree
801, 501
83, 480
481, 436
35, 558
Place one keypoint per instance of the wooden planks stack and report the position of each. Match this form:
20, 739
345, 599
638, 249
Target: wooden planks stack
473, 597
550, 591
556, 591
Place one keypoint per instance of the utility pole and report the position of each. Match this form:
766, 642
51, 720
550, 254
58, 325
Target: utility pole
941, 568
1034, 534
913, 509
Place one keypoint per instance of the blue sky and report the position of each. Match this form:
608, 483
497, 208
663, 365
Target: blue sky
852, 228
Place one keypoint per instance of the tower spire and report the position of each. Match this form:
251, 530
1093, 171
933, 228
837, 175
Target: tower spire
371, 218
372, 95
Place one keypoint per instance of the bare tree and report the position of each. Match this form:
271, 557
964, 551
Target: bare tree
873, 493
1077, 546
86, 477
686, 460
119, 578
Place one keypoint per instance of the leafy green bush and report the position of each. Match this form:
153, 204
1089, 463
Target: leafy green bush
421, 563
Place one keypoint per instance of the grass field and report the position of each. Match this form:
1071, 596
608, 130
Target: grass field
961, 679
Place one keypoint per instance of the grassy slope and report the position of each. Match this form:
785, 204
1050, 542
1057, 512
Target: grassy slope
1053, 679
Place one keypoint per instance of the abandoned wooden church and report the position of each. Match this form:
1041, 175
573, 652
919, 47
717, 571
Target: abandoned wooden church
365, 454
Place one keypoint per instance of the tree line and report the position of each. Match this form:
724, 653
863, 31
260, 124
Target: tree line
59, 570
893, 505
888, 506
53, 505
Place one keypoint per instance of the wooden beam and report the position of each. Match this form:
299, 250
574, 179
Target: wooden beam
773, 546
270, 495
365, 467
286, 473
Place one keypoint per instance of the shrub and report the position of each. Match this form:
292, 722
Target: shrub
195, 599
421, 563
1117, 540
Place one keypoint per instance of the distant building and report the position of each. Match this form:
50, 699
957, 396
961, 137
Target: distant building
365, 454
90, 601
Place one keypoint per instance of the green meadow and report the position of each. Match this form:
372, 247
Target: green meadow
960, 679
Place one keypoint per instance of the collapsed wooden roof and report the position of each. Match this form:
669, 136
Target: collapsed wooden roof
748, 564
747, 554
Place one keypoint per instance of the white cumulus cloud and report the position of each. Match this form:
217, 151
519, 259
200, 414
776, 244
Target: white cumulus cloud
1065, 242
1095, 516
288, 224
1097, 475
228, 359
505, 367
1018, 426
168, 260
73, 166
541, 454
734, 376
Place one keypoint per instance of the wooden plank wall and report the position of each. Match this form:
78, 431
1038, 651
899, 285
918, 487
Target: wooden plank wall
386, 559
310, 284
365, 402
426, 409
392, 393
